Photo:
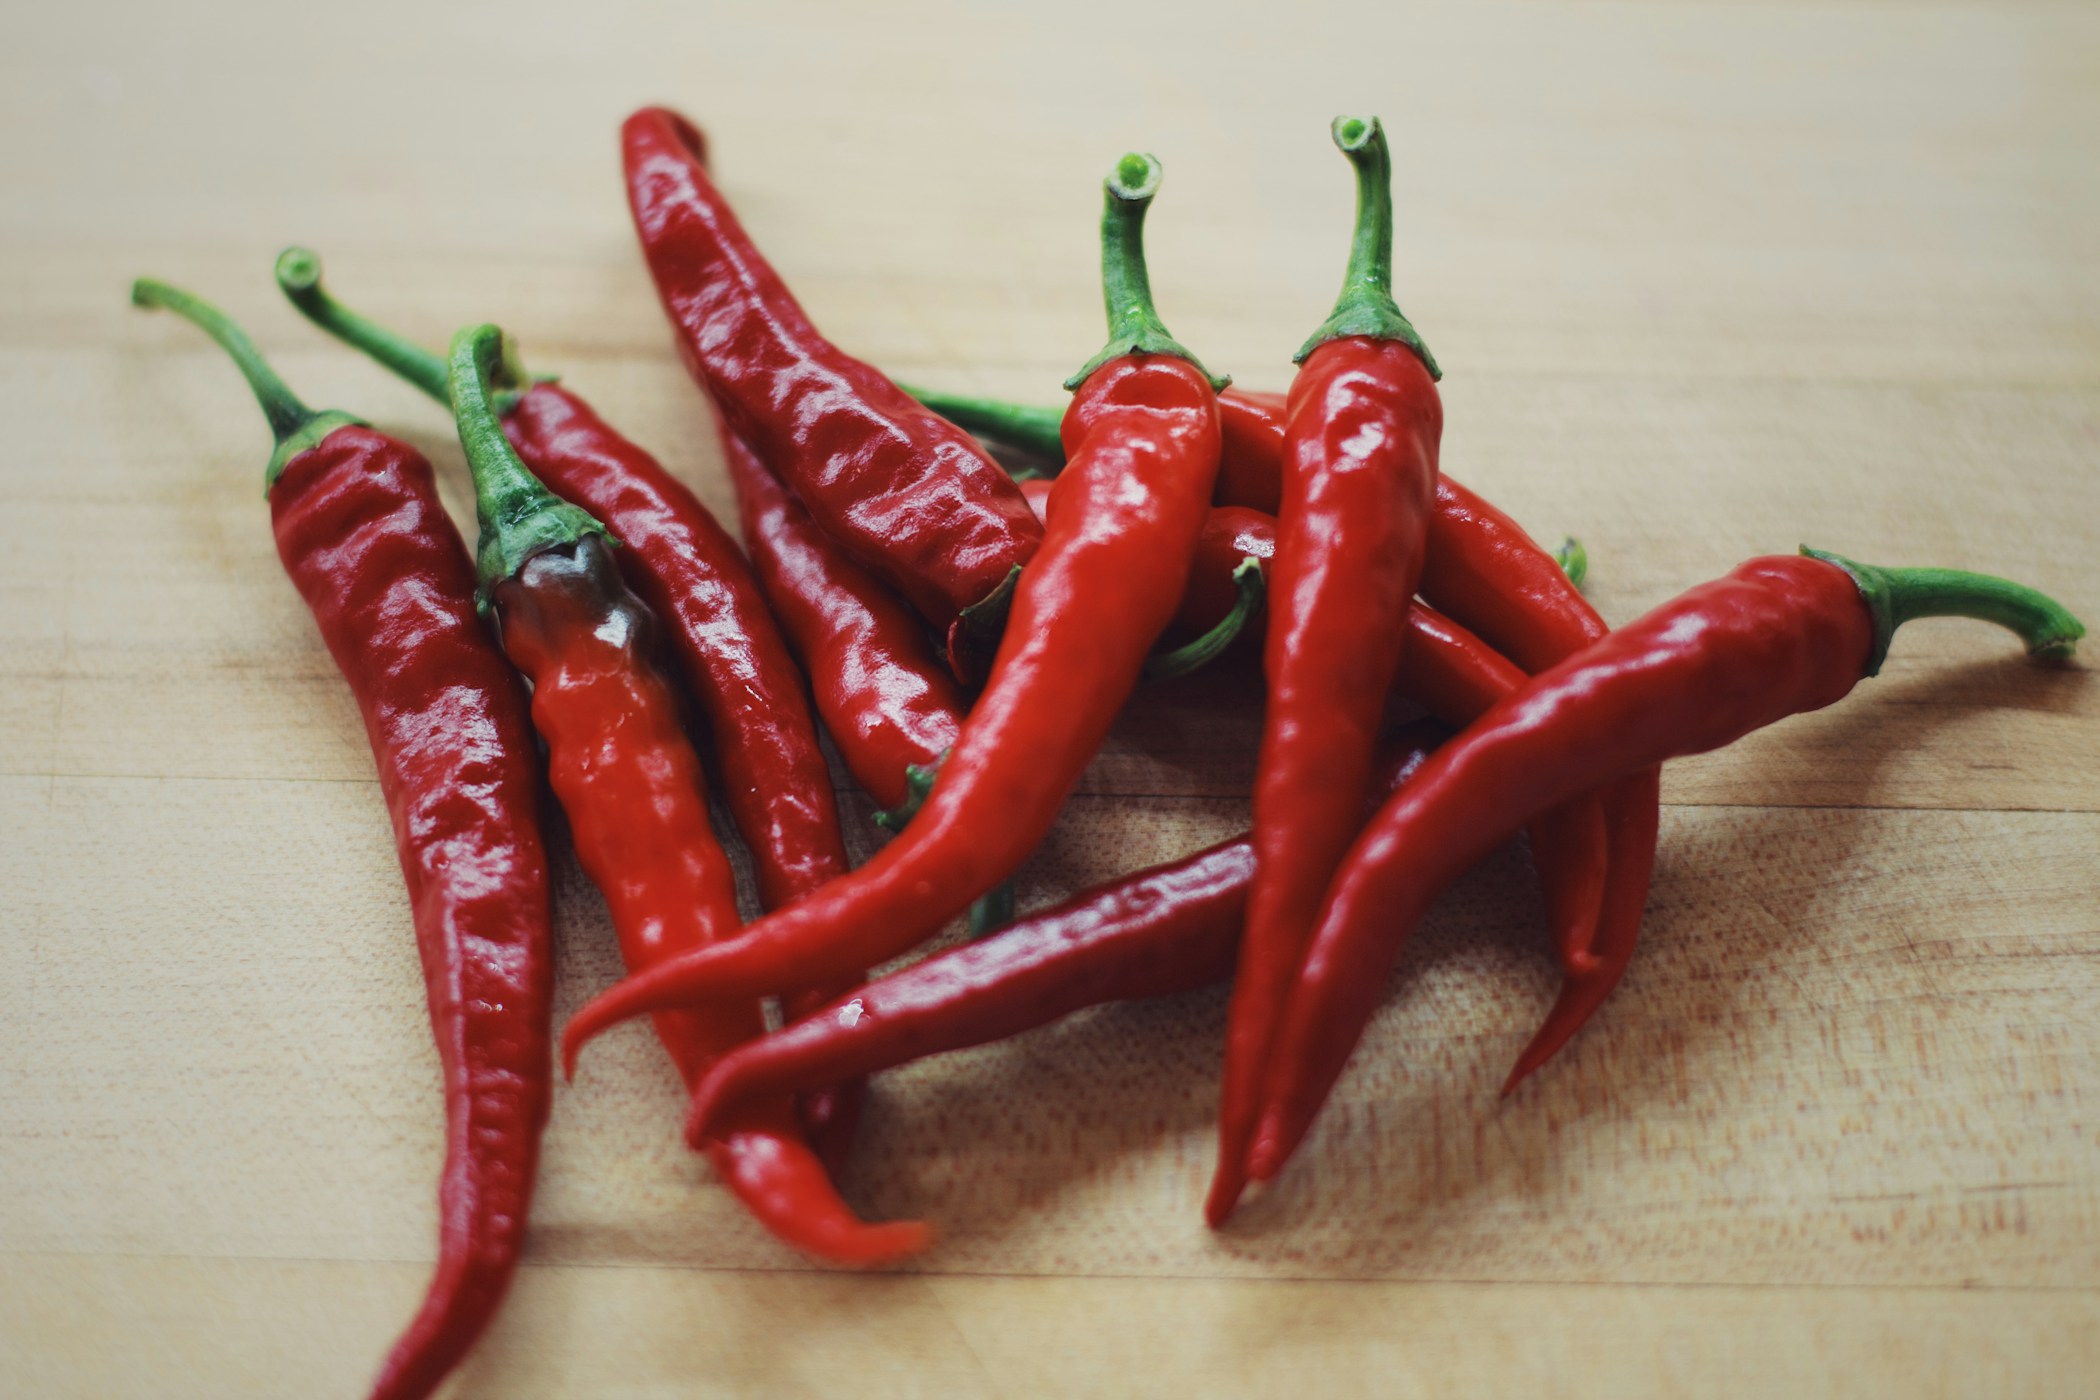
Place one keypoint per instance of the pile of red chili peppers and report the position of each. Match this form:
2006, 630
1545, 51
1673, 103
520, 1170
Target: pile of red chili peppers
967, 637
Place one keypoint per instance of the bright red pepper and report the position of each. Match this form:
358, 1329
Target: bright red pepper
905, 493
685, 567
889, 705
1169, 929
688, 571
1142, 437
634, 793
1359, 483
1490, 575
365, 540
1778, 636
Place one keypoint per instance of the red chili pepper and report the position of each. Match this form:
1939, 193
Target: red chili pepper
370, 548
633, 790
1482, 568
904, 492
688, 571
1142, 433
1359, 482
890, 707
1778, 636
685, 567
1169, 929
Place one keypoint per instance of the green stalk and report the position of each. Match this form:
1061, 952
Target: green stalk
295, 426
1574, 560
1366, 305
993, 911
299, 278
1033, 429
1896, 596
1134, 327
519, 516
1253, 591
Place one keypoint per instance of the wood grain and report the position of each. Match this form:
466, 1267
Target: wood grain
1708, 280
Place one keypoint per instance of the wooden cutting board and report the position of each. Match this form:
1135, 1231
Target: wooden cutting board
1708, 281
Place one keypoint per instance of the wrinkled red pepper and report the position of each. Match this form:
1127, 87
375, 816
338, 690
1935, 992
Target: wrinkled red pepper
1778, 636
367, 543
905, 493
1142, 439
634, 792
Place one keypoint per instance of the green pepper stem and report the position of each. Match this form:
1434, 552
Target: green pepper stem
1366, 305
993, 911
519, 516
1253, 590
918, 785
1896, 596
1134, 327
295, 426
1031, 428
299, 278
1574, 560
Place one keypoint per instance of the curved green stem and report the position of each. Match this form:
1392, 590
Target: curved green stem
295, 426
299, 278
993, 911
1366, 305
1032, 428
918, 783
1896, 596
1253, 591
1134, 327
1573, 559
519, 516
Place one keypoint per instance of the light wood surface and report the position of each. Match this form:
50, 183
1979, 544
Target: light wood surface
1708, 280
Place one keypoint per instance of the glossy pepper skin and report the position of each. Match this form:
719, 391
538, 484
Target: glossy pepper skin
632, 787
365, 540
687, 570
1490, 575
1142, 439
1172, 928
886, 699
1359, 484
904, 492
1778, 636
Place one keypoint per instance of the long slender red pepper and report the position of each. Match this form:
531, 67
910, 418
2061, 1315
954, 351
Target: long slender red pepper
368, 545
1168, 929
1142, 438
1485, 571
1778, 636
890, 707
686, 568
633, 790
689, 572
903, 491
1359, 483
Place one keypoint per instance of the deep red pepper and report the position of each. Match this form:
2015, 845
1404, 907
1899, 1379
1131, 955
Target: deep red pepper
1359, 482
364, 538
685, 567
1168, 929
1142, 438
907, 494
688, 571
1778, 636
634, 792
1490, 575
887, 702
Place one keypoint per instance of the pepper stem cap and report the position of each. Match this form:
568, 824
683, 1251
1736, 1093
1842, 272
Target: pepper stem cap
1896, 596
295, 426
519, 516
1366, 306
1034, 428
1134, 327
